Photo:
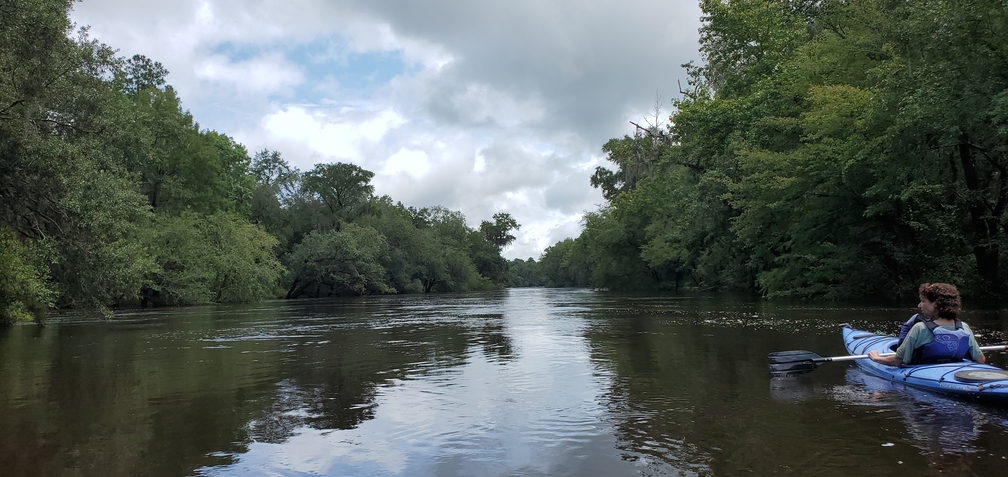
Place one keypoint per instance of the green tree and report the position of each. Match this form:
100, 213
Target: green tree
498, 232
635, 158
216, 258
486, 246
180, 167
62, 190
409, 251
566, 264
613, 239
339, 263
156, 141
276, 202
24, 289
456, 253
524, 273
947, 82
343, 189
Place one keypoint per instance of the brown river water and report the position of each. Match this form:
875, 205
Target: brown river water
520, 382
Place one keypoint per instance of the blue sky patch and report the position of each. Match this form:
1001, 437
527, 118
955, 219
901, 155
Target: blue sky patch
327, 60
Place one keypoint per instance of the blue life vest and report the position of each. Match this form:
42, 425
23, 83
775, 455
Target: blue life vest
948, 345
905, 327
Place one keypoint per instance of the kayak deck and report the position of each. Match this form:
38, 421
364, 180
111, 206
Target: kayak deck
964, 379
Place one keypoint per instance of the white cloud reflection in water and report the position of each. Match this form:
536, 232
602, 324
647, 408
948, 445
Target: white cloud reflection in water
533, 411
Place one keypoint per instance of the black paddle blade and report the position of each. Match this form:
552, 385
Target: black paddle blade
782, 370
795, 356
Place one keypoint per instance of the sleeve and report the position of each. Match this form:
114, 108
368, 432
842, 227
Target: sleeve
974, 347
914, 338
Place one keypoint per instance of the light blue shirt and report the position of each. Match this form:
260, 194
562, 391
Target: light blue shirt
920, 335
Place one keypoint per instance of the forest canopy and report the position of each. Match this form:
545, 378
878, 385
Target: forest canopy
111, 194
825, 149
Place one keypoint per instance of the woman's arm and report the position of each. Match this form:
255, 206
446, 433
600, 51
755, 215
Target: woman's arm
889, 360
974, 352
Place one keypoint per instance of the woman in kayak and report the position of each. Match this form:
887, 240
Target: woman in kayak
935, 335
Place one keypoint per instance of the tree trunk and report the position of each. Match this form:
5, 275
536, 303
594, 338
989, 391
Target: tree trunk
986, 227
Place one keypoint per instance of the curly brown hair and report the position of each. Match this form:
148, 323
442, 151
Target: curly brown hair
945, 297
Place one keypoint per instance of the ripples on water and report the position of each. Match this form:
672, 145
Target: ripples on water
517, 395
519, 382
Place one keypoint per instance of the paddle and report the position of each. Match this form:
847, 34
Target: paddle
793, 363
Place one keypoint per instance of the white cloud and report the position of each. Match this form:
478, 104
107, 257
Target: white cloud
540, 234
376, 127
413, 163
337, 137
493, 106
481, 103
268, 74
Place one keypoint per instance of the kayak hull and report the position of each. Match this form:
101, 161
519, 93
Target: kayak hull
963, 379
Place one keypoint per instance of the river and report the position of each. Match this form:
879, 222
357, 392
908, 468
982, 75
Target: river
520, 382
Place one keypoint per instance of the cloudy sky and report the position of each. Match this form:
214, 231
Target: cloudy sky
481, 106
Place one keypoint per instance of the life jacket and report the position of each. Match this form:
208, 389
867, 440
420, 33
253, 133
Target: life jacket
948, 345
905, 327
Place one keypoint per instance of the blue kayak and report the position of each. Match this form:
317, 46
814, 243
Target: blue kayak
963, 379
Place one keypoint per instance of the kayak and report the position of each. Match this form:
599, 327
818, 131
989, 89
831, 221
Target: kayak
963, 379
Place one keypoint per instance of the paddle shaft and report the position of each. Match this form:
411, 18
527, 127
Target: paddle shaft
863, 356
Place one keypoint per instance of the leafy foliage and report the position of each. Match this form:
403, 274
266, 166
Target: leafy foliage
61, 190
343, 189
217, 258
524, 273
565, 264
341, 263
111, 194
825, 149
24, 291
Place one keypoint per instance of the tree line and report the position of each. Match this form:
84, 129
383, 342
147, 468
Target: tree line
825, 149
112, 194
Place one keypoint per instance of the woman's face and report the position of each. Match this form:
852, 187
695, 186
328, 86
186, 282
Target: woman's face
927, 307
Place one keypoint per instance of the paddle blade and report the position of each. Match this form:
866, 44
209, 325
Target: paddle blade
782, 370
795, 356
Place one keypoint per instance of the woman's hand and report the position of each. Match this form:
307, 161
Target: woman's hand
888, 360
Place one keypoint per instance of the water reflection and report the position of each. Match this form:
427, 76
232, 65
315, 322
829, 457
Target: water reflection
479, 394
935, 424
796, 389
518, 382
942, 430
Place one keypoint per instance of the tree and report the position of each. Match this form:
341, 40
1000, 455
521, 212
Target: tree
62, 190
486, 246
24, 288
347, 262
635, 158
498, 232
276, 203
140, 73
407, 262
458, 257
524, 273
566, 264
271, 171
156, 140
342, 188
216, 258
613, 239
946, 79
